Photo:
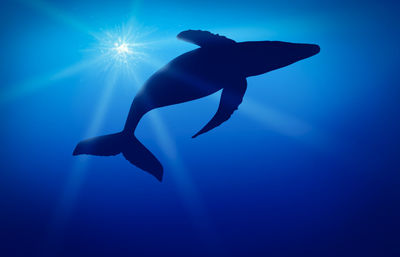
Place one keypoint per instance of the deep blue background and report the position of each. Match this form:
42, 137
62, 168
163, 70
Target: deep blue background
308, 165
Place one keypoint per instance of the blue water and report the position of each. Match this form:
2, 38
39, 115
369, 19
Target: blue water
308, 165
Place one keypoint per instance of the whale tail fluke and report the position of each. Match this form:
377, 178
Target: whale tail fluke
137, 154
102, 146
131, 148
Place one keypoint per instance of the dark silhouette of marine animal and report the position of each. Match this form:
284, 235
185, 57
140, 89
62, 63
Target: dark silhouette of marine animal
219, 63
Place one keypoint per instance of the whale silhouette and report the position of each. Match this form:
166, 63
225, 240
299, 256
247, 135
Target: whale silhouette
219, 63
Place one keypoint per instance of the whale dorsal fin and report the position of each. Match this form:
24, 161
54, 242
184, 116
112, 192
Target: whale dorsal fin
203, 38
231, 98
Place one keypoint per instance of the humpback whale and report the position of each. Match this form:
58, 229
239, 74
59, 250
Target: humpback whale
218, 63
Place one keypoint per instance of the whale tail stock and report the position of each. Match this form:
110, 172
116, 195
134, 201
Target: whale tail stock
127, 144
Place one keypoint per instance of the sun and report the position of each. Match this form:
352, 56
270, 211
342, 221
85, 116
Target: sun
123, 51
120, 49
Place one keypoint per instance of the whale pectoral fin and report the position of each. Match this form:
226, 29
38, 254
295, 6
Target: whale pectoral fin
230, 100
203, 38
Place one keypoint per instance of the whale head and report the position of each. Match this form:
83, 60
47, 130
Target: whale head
263, 56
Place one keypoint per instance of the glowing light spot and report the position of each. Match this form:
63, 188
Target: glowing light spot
123, 51
120, 49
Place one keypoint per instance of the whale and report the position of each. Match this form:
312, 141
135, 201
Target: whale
219, 63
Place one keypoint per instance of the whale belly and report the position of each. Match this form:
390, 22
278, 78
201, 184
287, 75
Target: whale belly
164, 89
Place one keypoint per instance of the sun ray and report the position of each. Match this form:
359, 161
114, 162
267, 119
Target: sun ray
275, 120
188, 191
78, 172
58, 14
284, 124
182, 179
117, 52
40, 82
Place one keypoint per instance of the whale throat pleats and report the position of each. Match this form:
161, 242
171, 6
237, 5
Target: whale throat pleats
204, 38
